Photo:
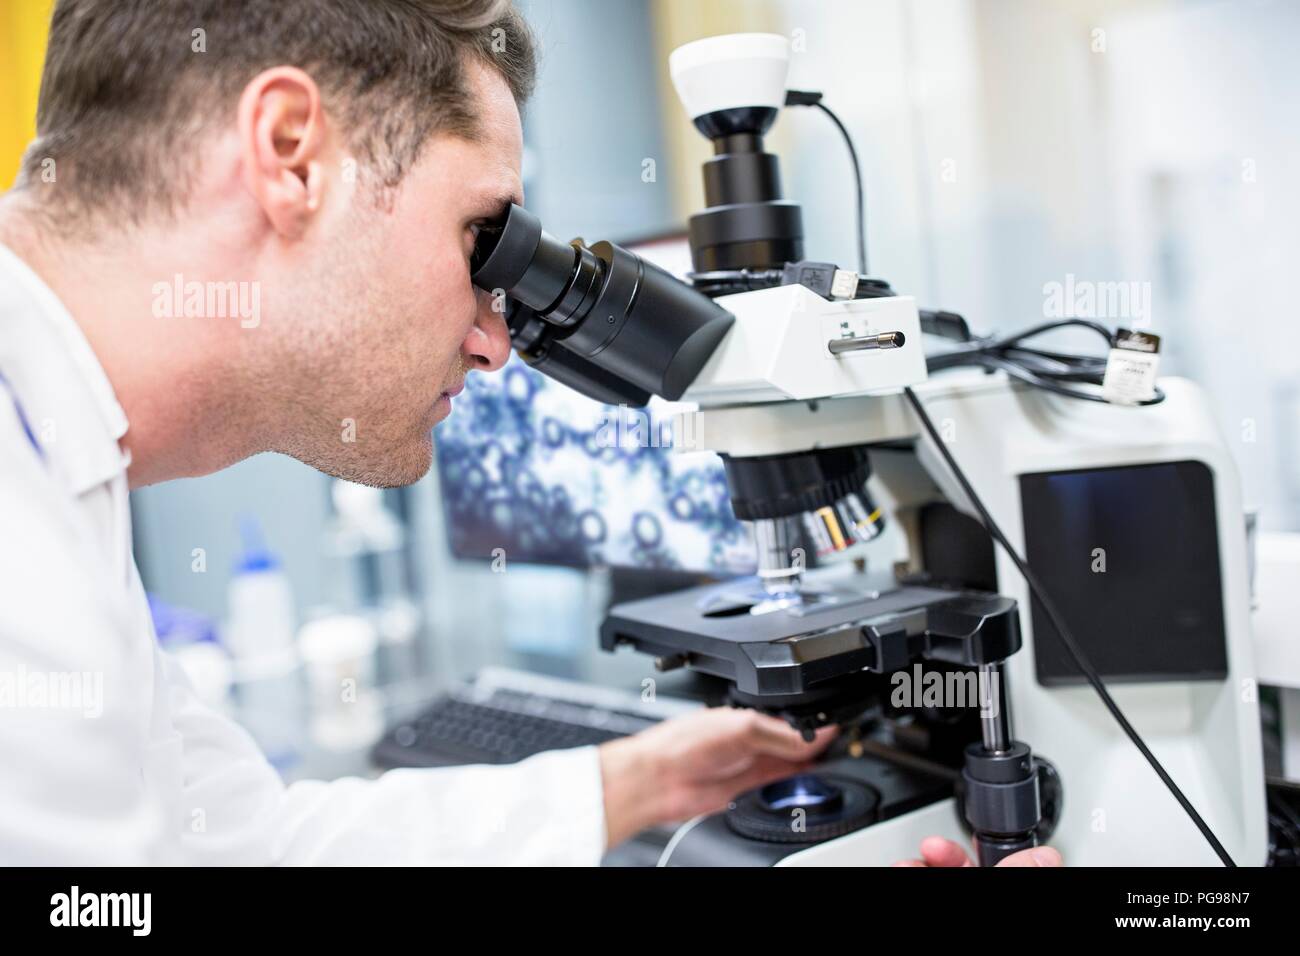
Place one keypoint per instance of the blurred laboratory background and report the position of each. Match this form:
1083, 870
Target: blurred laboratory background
1006, 145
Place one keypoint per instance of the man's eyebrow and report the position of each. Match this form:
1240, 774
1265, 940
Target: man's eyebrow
495, 206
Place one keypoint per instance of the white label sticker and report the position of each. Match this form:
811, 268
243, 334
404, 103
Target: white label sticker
1131, 368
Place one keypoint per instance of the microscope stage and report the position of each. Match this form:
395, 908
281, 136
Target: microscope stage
783, 654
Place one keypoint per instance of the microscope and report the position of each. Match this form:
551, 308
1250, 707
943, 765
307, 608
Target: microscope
812, 384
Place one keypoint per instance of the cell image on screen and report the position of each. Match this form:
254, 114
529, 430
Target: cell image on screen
534, 468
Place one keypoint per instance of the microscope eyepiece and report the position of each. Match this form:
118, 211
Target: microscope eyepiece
599, 319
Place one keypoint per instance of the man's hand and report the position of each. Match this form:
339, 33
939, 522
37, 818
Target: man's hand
696, 764
936, 851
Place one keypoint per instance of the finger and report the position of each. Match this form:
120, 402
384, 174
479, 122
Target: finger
920, 863
764, 770
823, 736
716, 794
774, 737
940, 852
1035, 856
776, 768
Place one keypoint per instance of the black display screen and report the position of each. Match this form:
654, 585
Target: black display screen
1130, 556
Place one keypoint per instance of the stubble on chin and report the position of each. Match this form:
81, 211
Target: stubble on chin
395, 467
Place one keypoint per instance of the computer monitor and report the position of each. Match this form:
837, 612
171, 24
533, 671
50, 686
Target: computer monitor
546, 475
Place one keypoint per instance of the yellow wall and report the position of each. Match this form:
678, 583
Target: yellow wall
23, 26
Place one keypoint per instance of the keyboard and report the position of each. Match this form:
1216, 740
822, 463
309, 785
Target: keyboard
503, 716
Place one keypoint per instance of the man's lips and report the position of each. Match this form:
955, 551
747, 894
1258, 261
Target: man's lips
453, 392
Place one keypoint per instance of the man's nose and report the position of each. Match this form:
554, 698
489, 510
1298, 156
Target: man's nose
487, 346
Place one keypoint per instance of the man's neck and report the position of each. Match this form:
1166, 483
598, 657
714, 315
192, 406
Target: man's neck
167, 370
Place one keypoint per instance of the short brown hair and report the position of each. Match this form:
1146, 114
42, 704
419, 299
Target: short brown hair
127, 80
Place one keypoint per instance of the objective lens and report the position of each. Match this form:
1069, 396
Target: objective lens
853, 519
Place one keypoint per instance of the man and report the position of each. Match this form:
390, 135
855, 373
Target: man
324, 163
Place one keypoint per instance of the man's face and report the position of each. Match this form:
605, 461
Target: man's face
389, 323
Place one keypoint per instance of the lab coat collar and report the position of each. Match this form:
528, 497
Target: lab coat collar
54, 373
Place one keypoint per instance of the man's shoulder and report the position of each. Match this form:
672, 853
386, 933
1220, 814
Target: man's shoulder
28, 486
50, 552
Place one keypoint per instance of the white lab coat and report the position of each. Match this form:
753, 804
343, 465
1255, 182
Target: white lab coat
155, 776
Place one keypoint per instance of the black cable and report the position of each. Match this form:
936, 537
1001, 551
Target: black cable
1051, 371
813, 98
1067, 638
857, 183
1040, 368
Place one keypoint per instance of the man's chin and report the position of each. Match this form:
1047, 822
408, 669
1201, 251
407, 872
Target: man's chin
396, 467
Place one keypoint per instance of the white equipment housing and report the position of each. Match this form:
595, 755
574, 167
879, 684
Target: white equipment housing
768, 391
777, 348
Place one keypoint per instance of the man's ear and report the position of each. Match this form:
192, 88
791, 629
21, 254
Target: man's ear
282, 137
